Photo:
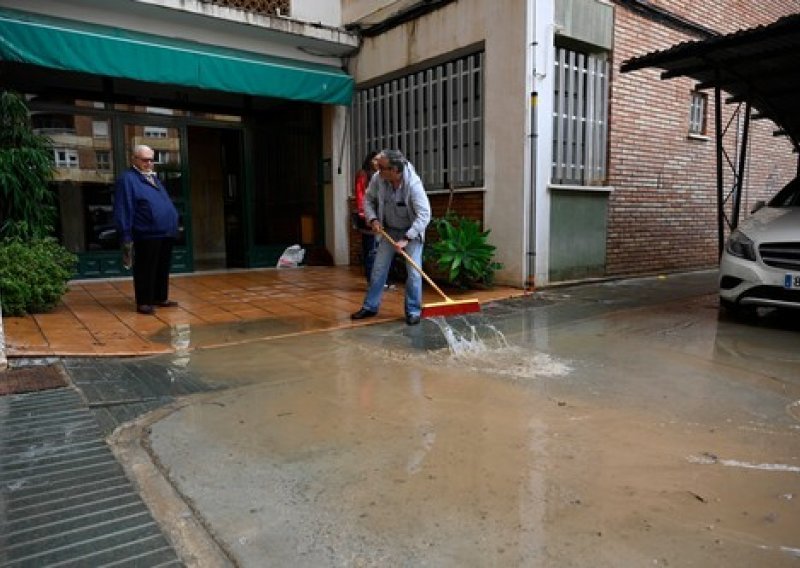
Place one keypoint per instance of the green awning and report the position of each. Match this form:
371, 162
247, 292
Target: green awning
101, 50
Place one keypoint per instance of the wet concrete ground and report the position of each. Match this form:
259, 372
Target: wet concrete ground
614, 424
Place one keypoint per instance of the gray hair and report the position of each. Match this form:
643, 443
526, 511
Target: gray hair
395, 158
139, 148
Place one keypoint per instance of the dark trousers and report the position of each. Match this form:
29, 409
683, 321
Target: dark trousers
151, 271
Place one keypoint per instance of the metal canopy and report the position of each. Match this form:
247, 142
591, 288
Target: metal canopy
759, 65
760, 69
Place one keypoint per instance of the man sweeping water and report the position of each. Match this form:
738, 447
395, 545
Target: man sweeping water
396, 203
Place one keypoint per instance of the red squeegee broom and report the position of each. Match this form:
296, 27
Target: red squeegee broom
449, 307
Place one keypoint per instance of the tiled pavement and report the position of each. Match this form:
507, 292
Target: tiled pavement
97, 318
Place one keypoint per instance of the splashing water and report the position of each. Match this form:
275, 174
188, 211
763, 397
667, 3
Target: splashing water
493, 354
468, 341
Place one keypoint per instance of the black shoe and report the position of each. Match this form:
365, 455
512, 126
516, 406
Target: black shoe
146, 309
362, 313
412, 320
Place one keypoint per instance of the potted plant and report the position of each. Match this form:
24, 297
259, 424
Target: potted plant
461, 253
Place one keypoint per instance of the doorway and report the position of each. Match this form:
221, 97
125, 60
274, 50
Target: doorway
215, 176
288, 202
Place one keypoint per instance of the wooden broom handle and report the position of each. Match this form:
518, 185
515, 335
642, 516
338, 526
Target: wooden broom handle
414, 264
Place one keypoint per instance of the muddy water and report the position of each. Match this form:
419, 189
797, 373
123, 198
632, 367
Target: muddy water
572, 434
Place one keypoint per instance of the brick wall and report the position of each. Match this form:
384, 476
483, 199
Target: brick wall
728, 16
662, 213
467, 203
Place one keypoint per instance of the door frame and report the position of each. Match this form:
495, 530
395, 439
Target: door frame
241, 186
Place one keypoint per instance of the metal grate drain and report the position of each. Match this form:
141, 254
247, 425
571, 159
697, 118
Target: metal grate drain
64, 499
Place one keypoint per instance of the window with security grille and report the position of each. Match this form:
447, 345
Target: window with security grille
434, 116
580, 118
697, 113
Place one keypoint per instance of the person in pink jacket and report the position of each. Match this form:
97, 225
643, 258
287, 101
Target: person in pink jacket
363, 175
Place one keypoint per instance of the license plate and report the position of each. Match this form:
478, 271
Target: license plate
791, 281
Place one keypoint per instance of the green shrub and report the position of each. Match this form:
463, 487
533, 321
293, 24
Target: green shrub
27, 202
33, 274
34, 268
463, 252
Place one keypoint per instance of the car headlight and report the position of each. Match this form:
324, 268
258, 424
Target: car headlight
738, 244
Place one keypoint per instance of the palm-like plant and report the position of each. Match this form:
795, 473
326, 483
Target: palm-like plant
26, 166
463, 252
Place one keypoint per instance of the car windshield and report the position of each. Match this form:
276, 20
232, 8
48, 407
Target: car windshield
789, 196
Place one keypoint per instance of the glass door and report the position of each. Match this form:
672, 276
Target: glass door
83, 182
92, 146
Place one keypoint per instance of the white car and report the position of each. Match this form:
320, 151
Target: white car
760, 266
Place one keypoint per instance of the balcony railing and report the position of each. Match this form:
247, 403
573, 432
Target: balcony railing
265, 7
51, 131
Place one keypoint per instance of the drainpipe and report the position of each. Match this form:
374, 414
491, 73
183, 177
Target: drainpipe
539, 37
529, 169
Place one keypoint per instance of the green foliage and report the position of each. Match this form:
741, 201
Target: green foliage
33, 274
463, 252
34, 268
26, 167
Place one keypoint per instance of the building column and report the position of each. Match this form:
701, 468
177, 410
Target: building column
337, 190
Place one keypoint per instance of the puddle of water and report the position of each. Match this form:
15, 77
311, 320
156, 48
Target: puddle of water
185, 337
794, 410
527, 439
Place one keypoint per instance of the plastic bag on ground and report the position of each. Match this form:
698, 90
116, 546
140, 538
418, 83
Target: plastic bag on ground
291, 257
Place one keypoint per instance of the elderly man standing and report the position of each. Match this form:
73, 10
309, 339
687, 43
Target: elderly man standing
147, 223
396, 202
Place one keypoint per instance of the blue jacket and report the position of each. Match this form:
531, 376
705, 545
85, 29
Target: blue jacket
142, 211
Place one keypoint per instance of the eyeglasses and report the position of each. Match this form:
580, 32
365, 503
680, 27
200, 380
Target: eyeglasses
385, 168
144, 159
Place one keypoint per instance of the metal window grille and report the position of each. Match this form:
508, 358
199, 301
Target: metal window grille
697, 113
580, 118
267, 7
434, 116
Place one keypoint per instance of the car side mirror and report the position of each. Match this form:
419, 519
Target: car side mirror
758, 205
